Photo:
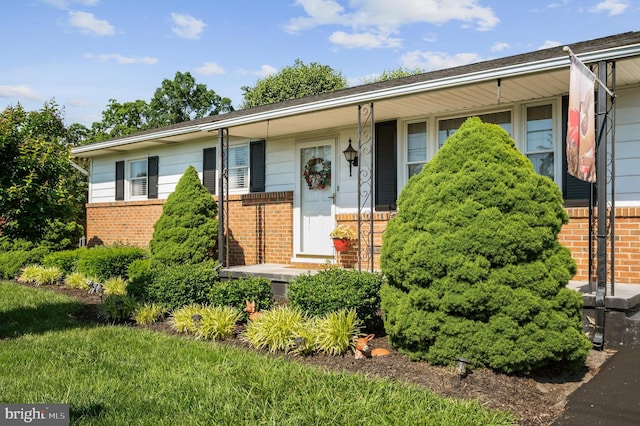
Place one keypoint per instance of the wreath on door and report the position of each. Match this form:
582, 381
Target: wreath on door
317, 173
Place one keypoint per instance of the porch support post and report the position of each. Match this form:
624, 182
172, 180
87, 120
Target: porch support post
605, 223
223, 196
366, 170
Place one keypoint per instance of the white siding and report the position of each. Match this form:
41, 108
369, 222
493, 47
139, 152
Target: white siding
280, 165
628, 146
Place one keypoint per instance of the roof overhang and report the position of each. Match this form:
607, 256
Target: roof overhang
453, 93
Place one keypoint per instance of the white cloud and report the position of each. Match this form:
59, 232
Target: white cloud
87, 23
431, 61
121, 59
364, 40
613, 7
264, 71
375, 20
500, 46
548, 44
209, 68
21, 91
65, 4
186, 26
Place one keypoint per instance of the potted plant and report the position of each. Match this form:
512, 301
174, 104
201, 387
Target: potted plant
341, 236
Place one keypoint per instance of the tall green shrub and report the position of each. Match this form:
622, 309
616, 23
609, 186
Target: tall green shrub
473, 262
187, 230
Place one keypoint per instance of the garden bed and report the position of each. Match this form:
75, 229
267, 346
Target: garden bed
535, 400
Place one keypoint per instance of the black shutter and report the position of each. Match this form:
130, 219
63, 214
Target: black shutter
574, 191
152, 177
386, 187
209, 169
257, 166
119, 180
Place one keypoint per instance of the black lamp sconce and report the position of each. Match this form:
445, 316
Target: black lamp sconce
351, 156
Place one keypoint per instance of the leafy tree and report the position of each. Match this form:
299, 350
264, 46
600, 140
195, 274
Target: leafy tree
394, 74
121, 119
187, 230
293, 82
473, 262
40, 191
181, 99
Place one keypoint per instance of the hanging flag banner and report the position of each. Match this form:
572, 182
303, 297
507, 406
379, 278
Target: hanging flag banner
581, 135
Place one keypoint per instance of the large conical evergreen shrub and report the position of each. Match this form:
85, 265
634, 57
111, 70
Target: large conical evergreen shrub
187, 230
473, 262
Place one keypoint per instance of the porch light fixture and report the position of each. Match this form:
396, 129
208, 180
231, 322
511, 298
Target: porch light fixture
351, 156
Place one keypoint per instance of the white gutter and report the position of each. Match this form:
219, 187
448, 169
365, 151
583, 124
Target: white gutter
133, 139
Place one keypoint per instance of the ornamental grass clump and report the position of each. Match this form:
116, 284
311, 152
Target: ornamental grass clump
30, 274
77, 280
336, 331
275, 330
186, 319
218, 322
474, 265
148, 313
115, 285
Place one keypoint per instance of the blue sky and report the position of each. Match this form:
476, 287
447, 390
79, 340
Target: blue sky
84, 52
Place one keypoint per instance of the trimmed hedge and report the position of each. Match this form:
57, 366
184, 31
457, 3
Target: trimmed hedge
177, 286
12, 262
66, 260
235, 293
107, 262
333, 289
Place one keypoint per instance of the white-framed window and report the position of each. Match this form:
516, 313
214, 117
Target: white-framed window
416, 147
239, 167
448, 126
137, 178
538, 145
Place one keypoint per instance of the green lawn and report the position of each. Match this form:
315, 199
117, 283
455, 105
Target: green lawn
114, 375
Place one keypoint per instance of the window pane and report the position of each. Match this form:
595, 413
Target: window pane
239, 156
448, 127
543, 163
238, 178
414, 169
417, 142
138, 169
139, 187
539, 129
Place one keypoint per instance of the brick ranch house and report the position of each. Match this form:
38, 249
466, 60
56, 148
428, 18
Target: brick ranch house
253, 161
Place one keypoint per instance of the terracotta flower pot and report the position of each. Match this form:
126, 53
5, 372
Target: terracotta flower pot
341, 244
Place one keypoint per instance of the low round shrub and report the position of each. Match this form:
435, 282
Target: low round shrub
235, 293
12, 261
333, 289
176, 286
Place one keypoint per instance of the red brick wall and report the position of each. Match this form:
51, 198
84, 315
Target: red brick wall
261, 228
129, 222
575, 235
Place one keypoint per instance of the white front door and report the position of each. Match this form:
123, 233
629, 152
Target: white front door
317, 195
